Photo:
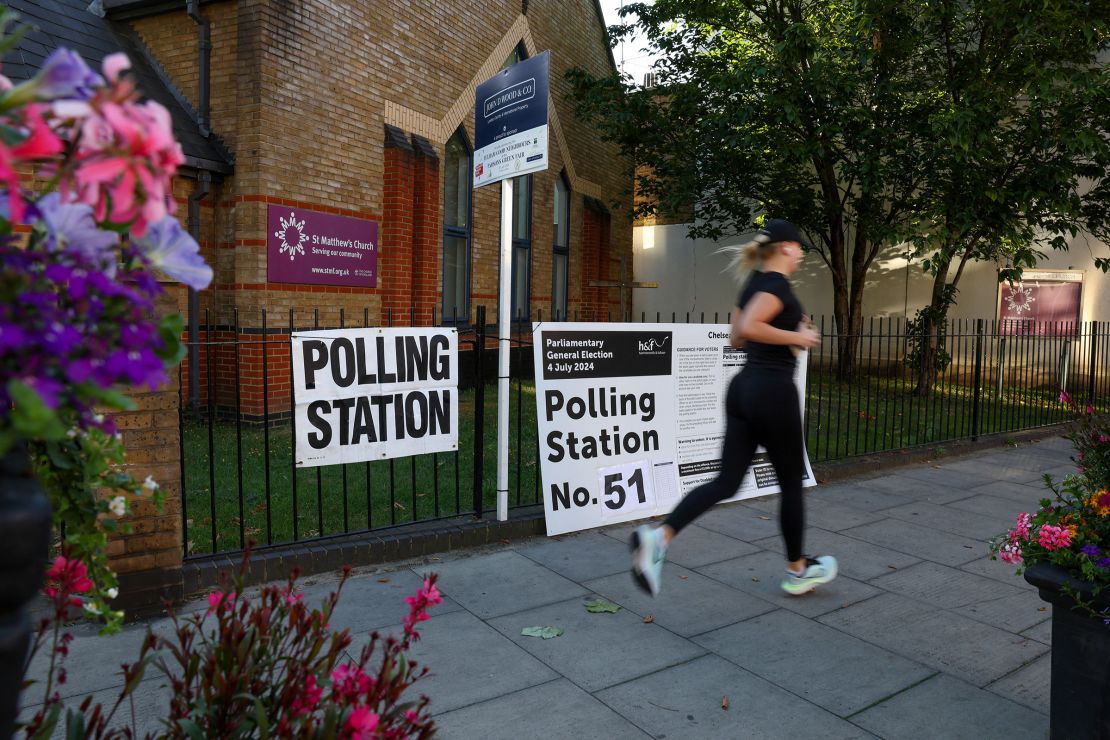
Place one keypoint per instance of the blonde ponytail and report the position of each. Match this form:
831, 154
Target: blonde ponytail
743, 258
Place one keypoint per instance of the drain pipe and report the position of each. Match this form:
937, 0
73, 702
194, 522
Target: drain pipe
204, 56
204, 185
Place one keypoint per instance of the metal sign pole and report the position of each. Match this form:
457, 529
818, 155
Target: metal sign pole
503, 347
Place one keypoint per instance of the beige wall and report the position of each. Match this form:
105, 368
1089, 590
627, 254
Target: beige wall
692, 277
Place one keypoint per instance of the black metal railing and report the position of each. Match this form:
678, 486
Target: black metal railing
241, 482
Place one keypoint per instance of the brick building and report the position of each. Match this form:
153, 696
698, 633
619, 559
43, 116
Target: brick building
365, 110
360, 109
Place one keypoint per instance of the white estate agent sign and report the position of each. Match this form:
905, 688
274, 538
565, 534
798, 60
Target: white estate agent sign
369, 394
631, 419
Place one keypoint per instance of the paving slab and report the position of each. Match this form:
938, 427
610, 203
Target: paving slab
371, 601
1030, 685
949, 642
946, 587
1027, 494
855, 558
1000, 510
915, 489
1015, 613
740, 521
558, 709
578, 557
945, 518
995, 569
862, 497
760, 575
696, 546
824, 666
949, 478
1042, 631
689, 603
142, 713
468, 660
824, 511
597, 650
685, 701
945, 707
924, 542
502, 583
1001, 472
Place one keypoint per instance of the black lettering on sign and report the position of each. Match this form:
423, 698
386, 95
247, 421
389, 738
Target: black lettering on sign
315, 410
315, 355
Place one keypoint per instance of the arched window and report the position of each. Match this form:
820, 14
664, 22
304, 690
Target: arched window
561, 249
522, 247
457, 185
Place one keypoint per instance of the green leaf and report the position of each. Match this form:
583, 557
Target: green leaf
601, 606
173, 349
543, 632
75, 725
112, 398
260, 718
31, 417
191, 728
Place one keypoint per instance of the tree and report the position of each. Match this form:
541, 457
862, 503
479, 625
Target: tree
838, 115
1021, 145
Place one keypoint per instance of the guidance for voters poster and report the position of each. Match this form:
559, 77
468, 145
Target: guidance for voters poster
631, 419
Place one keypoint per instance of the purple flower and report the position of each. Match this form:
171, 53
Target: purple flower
1090, 551
65, 75
61, 339
71, 228
170, 248
48, 390
1103, 563
11, 337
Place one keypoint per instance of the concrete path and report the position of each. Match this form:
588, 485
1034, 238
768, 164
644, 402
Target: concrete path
921, 636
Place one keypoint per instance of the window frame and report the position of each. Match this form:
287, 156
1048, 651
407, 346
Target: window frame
524, 243
562, 250
462, 318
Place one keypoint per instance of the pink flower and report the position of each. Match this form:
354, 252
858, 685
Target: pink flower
1052, 537
1010, 552
40, 143
216, 598
1103, 438
350, 682
1023, 523
307, 702
1064, 397
1090, 409
426, 596
361, 723
126, 155
67, 576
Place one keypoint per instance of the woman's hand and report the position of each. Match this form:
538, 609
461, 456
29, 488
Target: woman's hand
807, 336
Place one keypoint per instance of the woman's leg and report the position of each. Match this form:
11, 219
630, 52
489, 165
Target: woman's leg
737, 452
781, 434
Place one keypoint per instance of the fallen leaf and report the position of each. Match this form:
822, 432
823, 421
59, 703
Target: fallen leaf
601, 606
844, 605
765, 518
724, 703
1043, 608
684, 577
893, 567
543, 632
383, 580
755, 579
399, 505
505, 541
648, 619
967, 547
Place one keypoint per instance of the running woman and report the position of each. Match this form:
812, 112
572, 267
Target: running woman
762, 409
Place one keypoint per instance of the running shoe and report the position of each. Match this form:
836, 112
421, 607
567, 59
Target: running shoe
648, 552
818, 570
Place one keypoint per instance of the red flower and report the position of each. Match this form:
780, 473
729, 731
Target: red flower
306, 703
361, 723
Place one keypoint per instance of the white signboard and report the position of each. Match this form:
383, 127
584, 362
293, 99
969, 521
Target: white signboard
369, 394
631, 419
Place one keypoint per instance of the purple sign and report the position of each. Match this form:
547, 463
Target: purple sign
305, 246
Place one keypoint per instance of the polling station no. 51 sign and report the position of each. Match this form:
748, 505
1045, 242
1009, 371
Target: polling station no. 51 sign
631, 419
370, 394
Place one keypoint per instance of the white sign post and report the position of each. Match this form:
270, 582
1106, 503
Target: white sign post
371, 394
510, 140
631, 419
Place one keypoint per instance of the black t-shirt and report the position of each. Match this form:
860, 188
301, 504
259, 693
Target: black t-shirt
772, 356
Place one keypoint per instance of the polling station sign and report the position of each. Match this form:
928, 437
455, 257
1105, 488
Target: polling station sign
510, 121
631, 419
375, 393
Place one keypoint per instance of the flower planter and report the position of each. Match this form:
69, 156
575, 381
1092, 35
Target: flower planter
1080, 705
25, 532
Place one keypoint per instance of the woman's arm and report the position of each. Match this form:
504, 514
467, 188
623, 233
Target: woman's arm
755, 323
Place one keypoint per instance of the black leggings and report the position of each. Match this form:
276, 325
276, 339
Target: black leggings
762, 408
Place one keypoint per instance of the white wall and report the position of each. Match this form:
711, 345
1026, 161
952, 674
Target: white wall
693, 278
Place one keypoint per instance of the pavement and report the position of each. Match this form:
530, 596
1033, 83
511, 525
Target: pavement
921, 635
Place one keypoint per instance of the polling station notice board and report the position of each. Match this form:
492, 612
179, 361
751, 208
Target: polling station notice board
374, 393
631, 419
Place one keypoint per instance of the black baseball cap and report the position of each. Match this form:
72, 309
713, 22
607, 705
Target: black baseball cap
778, 230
